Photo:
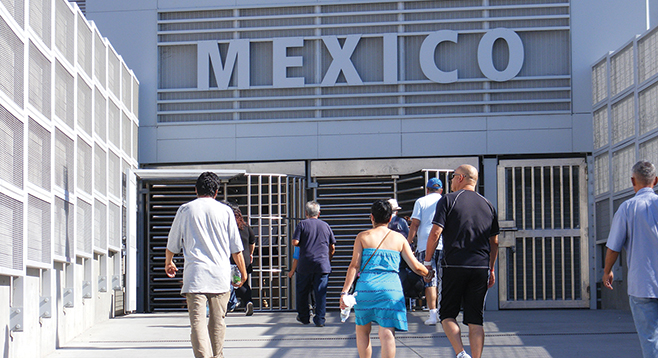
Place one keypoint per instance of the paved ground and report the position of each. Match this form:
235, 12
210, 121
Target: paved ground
509, 334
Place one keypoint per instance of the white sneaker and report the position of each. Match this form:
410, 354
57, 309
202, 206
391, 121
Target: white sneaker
463, 354
432, 320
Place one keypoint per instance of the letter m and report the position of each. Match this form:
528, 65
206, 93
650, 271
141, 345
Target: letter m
208, 54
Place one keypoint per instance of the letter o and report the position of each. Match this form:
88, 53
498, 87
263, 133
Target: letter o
485, 58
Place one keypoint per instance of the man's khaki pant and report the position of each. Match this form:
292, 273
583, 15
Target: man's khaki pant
207, 339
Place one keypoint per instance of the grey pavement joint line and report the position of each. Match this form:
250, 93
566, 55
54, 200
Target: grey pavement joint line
399, 338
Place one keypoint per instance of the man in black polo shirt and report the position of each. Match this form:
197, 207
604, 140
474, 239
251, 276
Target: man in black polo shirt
469, 225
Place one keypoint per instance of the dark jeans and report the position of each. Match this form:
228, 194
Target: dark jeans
316, 281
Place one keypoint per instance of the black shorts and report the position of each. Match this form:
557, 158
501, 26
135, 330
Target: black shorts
467, 286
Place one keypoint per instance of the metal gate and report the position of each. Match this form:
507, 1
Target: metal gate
272, 203
345, 205
543, 253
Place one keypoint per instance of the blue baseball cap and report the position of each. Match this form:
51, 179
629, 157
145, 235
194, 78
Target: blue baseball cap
434, 183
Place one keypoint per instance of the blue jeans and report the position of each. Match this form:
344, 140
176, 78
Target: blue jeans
316, 281
645, 315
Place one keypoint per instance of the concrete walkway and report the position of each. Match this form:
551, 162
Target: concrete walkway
509, 334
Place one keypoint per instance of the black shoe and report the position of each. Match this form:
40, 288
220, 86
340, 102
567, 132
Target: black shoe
319, 324
300, 320
249, 309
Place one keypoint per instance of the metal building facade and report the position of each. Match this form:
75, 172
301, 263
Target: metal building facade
63, 194
625, 122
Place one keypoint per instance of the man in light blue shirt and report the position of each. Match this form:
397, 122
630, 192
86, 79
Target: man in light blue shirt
635, 228
421, 224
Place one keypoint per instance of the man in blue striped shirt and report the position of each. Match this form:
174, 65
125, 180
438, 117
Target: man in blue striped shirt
635, 228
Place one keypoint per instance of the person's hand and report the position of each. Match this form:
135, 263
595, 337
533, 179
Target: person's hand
608, 278
492, 279
290, 274
171, 269
239, 284
251, 259
342, 303
430, 274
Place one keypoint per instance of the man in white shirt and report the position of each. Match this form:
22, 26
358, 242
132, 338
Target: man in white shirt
207, 233
421, 224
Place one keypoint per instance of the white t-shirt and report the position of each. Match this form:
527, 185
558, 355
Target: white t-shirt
207, 232
424, 209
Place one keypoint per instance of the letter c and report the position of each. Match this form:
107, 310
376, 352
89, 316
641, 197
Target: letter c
426, 54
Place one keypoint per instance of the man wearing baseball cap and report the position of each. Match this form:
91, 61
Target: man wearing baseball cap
397, 223
421, 224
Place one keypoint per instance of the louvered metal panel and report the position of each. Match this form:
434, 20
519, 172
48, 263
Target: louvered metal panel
100, 226
135, 92
11, 148
63, 239
100, 170
601, 127
542, 85
100, 114
85, 169
114, 224
85, 40
114, 174
12, 68
126, 87
38, 230
623, 119
38, 161
64, 95
126, 136
100, 59
40, 13
64, 161
135, 142
648, 109
113, 73
39, 81
11, 233
84, 229
114, 123
65, 30
84, 106
17, 10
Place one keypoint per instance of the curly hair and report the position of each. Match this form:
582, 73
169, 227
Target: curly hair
207, 184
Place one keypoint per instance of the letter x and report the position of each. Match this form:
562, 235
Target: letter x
341, 60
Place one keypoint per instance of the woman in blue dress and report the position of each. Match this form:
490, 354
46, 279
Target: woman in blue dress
380, 298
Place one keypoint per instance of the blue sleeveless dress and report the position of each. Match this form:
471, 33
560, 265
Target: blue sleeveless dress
380, 298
